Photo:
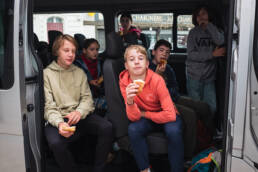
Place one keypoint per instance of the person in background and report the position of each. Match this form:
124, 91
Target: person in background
130, 34
203, 48
126, 21
92, 67
149, 110
68, 102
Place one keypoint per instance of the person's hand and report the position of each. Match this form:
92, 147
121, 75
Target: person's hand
203, 22
131, 91
95, 83
218, 52
73, 117
66, 134
160, 69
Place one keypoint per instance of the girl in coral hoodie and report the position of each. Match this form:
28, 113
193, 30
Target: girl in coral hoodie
149, 110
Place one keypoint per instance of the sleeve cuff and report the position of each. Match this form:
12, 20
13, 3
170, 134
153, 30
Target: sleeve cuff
56, 122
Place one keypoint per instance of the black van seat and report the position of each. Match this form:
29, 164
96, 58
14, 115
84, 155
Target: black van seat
145, 40
44, 54
52, 34
80, 40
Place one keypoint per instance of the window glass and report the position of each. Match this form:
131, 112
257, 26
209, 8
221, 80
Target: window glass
6, 57
90, 24
155, 25
184, 25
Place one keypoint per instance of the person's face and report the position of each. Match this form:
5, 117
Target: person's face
202, 17
66, 54
136, 63
92, 51
126, 23
162, 52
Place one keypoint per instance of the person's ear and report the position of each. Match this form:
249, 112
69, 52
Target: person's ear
147, 64
153, 52
126, 65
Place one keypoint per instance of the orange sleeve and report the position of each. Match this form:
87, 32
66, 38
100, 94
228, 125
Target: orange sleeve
132, 111
168, 112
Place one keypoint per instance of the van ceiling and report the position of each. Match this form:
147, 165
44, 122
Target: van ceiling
79, 5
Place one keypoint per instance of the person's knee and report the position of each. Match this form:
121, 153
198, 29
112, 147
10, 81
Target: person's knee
174, 132
132, 129
57, 144
106, 129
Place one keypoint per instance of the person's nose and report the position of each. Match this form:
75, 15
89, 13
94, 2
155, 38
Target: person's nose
70, 53
136, 61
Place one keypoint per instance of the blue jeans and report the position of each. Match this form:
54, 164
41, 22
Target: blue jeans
204, 91
138, 131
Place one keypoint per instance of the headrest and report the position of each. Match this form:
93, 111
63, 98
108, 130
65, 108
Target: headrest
80, 39
43, 46
52, 34
114, 47
35, 41
145, 40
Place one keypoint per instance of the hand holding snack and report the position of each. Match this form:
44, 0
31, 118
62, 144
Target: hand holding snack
61, 127
161, 66
100, 80
71, 129
140, 83
131, 91
163, 62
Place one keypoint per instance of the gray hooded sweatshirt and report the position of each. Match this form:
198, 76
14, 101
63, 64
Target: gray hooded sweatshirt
66, 90
200, 64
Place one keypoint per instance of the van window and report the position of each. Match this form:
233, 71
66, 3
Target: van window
155, 25
89, 24
6, 57
184, 25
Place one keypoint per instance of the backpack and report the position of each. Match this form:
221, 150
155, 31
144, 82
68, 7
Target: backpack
208, 160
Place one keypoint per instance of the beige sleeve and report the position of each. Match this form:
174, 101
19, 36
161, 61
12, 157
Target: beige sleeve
86, 105
52, 115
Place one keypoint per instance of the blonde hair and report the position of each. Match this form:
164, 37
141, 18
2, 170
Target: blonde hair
138, 48
59, 41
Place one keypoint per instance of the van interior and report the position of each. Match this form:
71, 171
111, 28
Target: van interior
158, 19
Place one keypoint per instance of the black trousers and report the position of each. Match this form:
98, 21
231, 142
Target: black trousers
93, 125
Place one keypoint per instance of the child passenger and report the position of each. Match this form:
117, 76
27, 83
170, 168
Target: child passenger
149, 110
203, 49
68, 102
126, 21
91, 65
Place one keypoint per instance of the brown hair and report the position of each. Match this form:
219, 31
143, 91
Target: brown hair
138, 48
197, 11
59, 41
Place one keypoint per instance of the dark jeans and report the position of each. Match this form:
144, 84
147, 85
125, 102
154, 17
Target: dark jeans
93, 125
138, 131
